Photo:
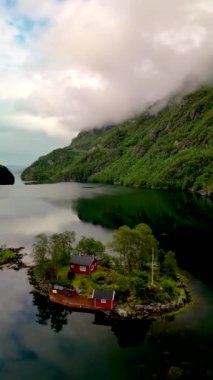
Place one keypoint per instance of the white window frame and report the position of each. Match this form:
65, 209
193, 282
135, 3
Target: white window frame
83, 268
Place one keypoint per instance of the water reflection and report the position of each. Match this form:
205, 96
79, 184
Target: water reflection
151, 348
49, 313
43, 340
29, 210
182, 222
128, 333
131, 206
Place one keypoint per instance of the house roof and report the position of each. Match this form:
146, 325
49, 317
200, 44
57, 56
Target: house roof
82, 260
108, 295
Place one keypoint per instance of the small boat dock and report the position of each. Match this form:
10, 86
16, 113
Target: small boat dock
70, 297
74, 301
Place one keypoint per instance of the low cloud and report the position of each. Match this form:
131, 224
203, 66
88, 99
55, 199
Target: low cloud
90, 63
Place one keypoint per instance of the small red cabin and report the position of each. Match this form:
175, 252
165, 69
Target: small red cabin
104, 299
83, 264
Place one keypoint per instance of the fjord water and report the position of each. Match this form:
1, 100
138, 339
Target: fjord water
41, 340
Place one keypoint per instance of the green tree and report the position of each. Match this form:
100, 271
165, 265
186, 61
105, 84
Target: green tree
60, 249
169, 265
134, 246
147, 244
41, 249
124, 242
106, 260
90, 246
41, 254
140, 282
169, 286
51, 252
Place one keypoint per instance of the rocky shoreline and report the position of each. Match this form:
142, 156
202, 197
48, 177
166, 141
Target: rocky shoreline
41, 288
16, 263
154, 310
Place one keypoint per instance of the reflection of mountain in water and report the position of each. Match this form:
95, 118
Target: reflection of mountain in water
181, 221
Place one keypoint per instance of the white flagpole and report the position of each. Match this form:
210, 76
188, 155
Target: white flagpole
152, 266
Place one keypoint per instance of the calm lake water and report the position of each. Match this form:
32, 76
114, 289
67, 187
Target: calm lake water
42, 341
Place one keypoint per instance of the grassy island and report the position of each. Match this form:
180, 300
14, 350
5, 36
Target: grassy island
11, 257
145, 278
6, 255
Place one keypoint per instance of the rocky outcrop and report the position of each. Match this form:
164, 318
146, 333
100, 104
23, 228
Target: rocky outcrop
154, 310
6, 177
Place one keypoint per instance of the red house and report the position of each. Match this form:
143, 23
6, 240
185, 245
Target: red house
83, 264
104, 299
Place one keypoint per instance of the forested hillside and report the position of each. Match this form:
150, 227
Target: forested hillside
169, 149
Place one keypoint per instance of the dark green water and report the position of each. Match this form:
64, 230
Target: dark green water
41, 341
181, 221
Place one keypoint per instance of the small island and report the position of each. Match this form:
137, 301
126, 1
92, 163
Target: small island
6, 177
11, 257
135, 279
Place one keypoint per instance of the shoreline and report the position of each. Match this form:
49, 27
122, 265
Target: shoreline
205, 194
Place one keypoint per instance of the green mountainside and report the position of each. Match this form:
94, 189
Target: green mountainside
170, 149
6, 177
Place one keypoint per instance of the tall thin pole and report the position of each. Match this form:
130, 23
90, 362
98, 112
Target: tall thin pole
152, 266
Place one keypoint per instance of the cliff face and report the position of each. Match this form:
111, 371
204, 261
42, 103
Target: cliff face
171, 149
6, 177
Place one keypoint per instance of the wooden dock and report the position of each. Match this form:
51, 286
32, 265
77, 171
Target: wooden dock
73, 301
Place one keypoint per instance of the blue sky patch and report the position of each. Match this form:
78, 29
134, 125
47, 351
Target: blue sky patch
9, 3
26, 26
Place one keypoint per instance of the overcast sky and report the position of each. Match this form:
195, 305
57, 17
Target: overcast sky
67, 65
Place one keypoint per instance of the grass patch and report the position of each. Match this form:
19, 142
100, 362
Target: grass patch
6, 255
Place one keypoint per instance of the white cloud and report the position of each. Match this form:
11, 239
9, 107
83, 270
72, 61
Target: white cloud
88, 63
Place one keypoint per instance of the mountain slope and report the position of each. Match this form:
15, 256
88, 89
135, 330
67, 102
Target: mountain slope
6, 177
171, 149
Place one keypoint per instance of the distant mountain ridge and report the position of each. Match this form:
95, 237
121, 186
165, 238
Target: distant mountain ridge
6, 177
172, 149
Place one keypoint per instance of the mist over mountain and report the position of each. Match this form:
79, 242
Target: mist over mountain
169, 149
67, 66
